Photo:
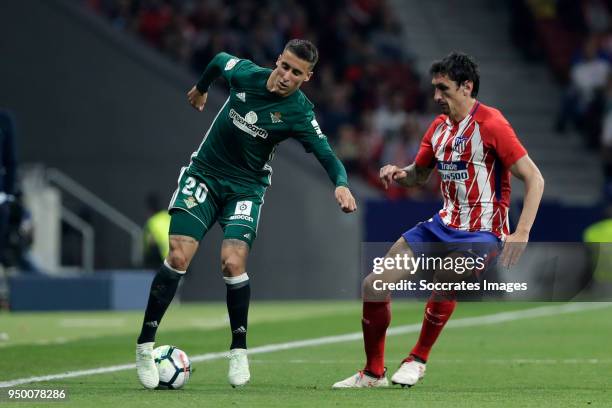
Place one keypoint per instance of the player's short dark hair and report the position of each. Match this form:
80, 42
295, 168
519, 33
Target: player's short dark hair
459, 68
303, 49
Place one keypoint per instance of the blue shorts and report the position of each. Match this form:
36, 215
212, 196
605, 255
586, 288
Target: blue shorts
433, 238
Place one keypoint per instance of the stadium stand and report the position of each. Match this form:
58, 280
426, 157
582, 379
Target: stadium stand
575, 39
364, 71
370, 99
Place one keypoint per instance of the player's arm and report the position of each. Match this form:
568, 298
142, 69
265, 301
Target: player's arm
513, 156
418, 172
525, 170
221, 65
315, 142
409, 176
337, 174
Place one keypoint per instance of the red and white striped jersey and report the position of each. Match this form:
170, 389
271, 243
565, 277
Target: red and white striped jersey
473, 158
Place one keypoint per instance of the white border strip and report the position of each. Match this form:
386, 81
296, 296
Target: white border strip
270, 348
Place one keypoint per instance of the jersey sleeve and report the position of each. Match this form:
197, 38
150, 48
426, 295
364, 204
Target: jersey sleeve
426, 155
223, 64
500, 136
309, 134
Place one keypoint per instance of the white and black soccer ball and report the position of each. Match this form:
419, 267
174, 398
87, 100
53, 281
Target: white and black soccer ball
173, 366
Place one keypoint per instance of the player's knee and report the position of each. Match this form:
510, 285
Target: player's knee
182, 248
368, 283
372, 288
177, 259
232, 265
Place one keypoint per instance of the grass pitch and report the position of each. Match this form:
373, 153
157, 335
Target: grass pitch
558, 361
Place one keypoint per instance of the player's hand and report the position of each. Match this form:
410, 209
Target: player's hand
391, 173
514, 246
345, 199
197, 99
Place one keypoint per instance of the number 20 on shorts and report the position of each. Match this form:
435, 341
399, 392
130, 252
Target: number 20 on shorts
200, 192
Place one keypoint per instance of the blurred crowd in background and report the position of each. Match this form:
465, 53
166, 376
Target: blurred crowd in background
575, 38
369, 100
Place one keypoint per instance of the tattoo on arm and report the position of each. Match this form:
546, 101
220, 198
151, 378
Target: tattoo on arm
422, 174
415, 176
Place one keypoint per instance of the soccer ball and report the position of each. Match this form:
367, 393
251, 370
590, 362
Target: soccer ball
173, 366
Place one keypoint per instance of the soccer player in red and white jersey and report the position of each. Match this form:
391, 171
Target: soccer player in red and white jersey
475, 150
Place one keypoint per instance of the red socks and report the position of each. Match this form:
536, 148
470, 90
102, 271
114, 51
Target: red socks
376, 319
437, 313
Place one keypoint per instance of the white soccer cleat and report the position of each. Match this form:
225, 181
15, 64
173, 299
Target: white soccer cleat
362, 380
145, 366
238, 373
409, 373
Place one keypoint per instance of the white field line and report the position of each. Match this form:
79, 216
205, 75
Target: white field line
411, 328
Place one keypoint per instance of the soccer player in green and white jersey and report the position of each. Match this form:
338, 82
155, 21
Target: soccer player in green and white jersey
226, 181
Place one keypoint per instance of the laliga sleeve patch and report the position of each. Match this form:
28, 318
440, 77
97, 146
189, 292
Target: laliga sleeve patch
231, 64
